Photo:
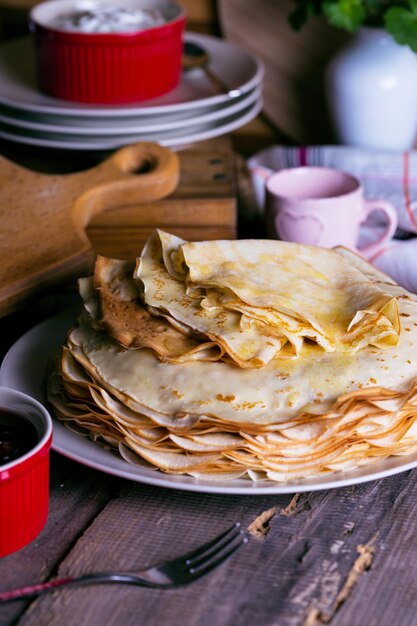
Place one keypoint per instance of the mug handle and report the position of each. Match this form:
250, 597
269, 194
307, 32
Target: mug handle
380, 205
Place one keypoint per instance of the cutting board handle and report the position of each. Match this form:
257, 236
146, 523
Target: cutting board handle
138, 173
43, 216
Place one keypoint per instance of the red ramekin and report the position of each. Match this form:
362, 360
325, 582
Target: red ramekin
107, 68
24, 482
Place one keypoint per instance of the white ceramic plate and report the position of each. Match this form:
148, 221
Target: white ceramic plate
169, 138
24, 368
238, 69
122, 120
84, 127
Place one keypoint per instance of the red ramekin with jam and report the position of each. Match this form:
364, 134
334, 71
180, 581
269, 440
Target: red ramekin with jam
25, 441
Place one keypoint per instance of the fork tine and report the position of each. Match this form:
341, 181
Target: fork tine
206, 566
215, 548
190, 556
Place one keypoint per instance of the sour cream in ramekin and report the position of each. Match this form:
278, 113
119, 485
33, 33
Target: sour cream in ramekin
107, 18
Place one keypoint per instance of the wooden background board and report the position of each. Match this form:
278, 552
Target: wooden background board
202, 207
295, 63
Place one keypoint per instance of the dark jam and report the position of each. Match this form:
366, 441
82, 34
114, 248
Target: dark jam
17, 436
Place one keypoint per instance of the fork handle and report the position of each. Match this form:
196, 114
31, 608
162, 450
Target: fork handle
34, 590
104, 577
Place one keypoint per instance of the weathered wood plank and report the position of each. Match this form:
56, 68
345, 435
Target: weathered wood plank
387, 593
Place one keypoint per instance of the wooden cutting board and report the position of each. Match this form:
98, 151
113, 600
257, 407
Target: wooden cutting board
52, 225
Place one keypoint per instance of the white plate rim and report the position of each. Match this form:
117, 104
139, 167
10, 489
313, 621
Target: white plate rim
143, 127
59, 107
18, 371
113, 143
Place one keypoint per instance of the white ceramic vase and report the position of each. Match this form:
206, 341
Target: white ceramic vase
372, 92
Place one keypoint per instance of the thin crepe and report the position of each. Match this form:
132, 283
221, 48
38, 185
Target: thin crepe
262, 299
113, 301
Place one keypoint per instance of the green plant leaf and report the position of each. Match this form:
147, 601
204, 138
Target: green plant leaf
401, 23
347, 14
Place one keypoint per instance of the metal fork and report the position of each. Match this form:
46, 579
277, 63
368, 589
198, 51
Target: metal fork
179, 571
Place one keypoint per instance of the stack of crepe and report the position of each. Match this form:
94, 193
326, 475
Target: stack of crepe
221, 359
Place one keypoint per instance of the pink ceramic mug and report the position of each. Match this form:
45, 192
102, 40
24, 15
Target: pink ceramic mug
323, 207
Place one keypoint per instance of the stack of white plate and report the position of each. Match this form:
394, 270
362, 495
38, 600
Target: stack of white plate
194, 111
